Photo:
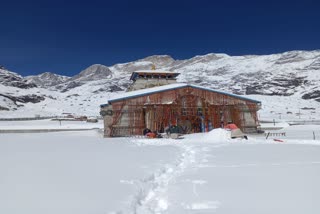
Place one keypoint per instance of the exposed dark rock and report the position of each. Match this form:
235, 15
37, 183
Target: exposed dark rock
307, 108
100, 90
25, 99
315, 65
114, 88
125, 85
259, 89
30, 98
312, 95
4, 108
285, 82
254, 89
51, 97
289, 57
71, 85
23, 85
73, 95
219, 71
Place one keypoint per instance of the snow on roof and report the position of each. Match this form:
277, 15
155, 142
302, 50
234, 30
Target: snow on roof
144, 92
147, 91
225, 93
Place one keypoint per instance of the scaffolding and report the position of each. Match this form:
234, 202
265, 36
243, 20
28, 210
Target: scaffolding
197, 109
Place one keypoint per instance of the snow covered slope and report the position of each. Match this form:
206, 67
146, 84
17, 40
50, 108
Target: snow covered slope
296, 72
294, 76
47, 79
9, 78
94, 72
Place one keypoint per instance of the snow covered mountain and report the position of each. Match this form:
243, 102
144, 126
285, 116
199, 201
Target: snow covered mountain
94, 72
279, 74
47, 79
9, 78
294, 74
12, 99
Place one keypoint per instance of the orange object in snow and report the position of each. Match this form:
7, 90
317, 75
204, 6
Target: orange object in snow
151, 135
231, 126
278, 140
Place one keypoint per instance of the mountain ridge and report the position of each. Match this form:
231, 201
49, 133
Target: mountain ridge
291, 74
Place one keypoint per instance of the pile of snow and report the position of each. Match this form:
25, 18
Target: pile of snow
215, 136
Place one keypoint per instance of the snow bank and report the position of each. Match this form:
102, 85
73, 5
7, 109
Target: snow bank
215, 136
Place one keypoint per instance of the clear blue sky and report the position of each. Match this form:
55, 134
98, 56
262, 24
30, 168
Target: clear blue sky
66, 37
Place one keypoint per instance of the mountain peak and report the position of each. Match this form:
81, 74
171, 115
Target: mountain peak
46, 79
93, 72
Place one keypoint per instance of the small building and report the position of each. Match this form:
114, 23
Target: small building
192, 108
151, 78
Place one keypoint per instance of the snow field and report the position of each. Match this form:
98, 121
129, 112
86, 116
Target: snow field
81, 172
48, 124
72, 172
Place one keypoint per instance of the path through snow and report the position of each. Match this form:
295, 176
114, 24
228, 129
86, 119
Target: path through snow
214, 174
152, 195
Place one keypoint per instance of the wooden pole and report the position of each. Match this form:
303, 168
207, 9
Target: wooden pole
268, 135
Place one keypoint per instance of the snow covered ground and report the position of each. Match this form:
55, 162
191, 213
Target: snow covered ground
290, 108
81, 172
48, 124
